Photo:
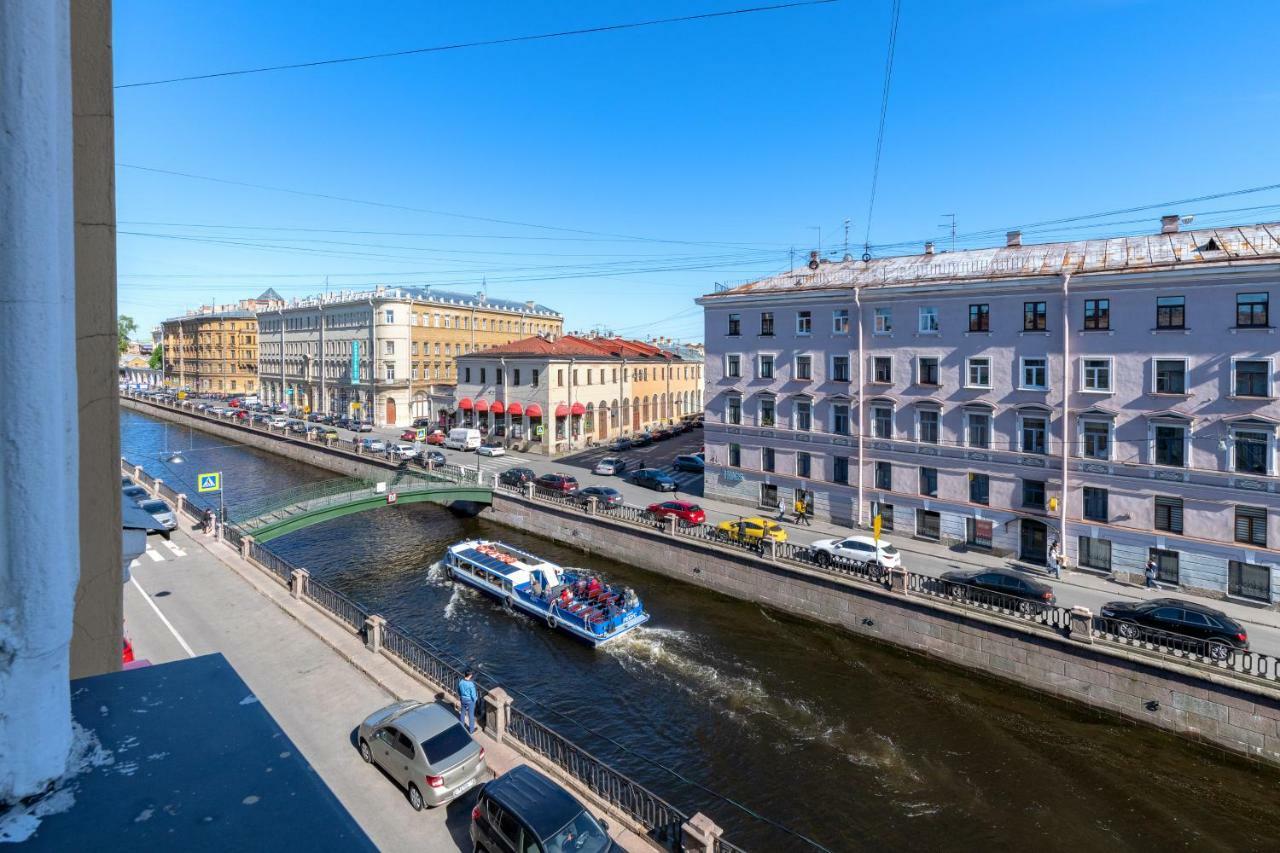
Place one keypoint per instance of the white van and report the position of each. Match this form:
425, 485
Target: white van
463, 439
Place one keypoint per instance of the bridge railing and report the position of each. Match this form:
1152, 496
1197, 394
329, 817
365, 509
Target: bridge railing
295, 494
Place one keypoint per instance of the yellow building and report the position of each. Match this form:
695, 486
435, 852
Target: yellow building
214, 349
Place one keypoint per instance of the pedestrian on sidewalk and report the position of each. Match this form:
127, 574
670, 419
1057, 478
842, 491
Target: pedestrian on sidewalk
1055, 559
1151, 571
467, 697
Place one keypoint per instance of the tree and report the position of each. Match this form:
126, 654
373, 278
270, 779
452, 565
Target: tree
157, 357
126, 327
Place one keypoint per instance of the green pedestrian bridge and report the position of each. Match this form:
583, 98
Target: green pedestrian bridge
283, 512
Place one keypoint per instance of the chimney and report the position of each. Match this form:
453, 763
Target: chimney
1169, 224
928, 248
813, 260
1013, 239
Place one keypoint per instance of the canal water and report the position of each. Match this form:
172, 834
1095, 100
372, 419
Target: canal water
854, 744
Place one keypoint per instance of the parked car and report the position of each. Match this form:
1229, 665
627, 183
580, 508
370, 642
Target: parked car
424, 749
329, 434
373, 445
620, 443
686, 512
137, 494
463, 438
644, 439
557, 484
861, 549
517, 476
403, 450
315, 417
753, 529
437, 438
662, 433
361, 426
419, 423
606, 496
297, 426
1031, 595
609, 466
689, 463
126, 481
652, 478
162, 513
279, 422
524, 810
262, 418
491, 448
434, 458
1211, 632
409, 435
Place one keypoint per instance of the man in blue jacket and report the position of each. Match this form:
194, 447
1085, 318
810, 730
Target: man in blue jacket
467, 695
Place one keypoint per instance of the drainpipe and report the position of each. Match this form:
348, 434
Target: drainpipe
862, 405
1066, 409
568, 426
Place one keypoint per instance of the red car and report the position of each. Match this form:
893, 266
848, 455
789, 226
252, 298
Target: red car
559, 484
436, 437
688, 513
409, 435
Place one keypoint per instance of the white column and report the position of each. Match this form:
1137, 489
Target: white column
39, 551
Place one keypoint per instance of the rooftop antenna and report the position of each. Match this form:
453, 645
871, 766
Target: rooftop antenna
846, 236
952, 216
792, 262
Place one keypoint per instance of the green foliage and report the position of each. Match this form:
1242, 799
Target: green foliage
126, 327
157, 357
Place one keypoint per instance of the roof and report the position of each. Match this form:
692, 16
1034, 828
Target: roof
541, 803
573, 346
1233, 246
229, 314
423, 722
270, 295
472, 300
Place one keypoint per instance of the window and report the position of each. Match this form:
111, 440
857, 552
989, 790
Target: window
804, 322
1096, 374
882, 369
928, 320
1035, 374
767, 458
978, 533
515, 376
734, 412
534, 378
735, 325
980, 318
1097, 314
1171, 376
1251, 525
1250, 449
1095, 553
735, 455
766, 367
1169, 515
467, 374
840, 368
766, 411
1249, 581
1034, 429
979, 373
733, 366
1096, 436
766, 323
1253, 377
1034, 316
885, 511
928, 524
978, 427
389, 371
1170, 445
882, 421
804, 464
804, 367
1166, 565
884, 475
927, 370
929, 482
840, 419
1251, 310
1171, 312
559, 377
980, 489
883, 321
803, 415
927, 426
840, 321
1095, 504
840, 471
390, 315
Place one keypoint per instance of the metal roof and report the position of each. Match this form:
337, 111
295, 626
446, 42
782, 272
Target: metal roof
543, 804
1230, 246
229, 314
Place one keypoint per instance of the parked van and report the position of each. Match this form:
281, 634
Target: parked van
463, 439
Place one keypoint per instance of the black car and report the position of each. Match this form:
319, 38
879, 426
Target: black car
517, 476
652, 478
136, 494
621, 444
689, 463
1031, 595
419, 423
606, 496
1207, 631
522, 810
644, 439
662, 434
435, 457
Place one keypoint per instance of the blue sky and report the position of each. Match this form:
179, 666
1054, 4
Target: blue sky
673, 157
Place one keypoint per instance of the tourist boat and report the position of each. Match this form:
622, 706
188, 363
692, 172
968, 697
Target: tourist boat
569, 600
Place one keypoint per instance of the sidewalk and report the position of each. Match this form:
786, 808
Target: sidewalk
316, 679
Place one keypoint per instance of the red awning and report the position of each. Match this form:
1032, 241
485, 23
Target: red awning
482, 405
497, 408
515, 409
465, 404
562, 411
578, 409
534, 410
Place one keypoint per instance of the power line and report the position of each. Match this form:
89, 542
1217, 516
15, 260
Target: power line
884, 112
472, 44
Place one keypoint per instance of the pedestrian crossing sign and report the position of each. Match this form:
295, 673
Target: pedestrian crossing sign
211, 482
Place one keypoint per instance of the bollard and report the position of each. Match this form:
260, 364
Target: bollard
373, 626
669, 525
1081, 629
245, 542
180, 505
528, 490
591, 505
298, 582
770, 549
898, 580
497, 702
155, 487
699, 834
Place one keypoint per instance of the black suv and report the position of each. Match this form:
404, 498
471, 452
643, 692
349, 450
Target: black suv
524, 811
516, 476
1201, 629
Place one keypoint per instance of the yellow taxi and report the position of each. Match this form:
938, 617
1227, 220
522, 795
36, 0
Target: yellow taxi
752, 529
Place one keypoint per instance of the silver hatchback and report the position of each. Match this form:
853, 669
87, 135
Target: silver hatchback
424, 749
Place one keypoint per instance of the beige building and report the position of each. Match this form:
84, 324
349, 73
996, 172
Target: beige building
214, 349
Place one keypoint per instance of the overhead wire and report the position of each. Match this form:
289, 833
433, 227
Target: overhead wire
884, 113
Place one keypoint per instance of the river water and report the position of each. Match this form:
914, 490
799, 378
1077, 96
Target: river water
856, 745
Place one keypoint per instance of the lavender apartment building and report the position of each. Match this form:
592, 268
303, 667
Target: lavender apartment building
955, 394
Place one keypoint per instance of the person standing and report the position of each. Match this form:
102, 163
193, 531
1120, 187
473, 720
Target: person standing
1151, 571
1055, 559
467, 697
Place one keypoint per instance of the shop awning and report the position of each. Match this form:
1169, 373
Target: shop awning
578, 409
534, 410
562, 411
497, 408
465, 404
482, 405
515, 409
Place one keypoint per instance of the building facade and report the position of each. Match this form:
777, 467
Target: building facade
385, 355
955, 395
557, 396
214, 349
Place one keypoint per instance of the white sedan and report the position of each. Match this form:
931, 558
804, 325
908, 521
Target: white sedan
491, 450
862, 549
